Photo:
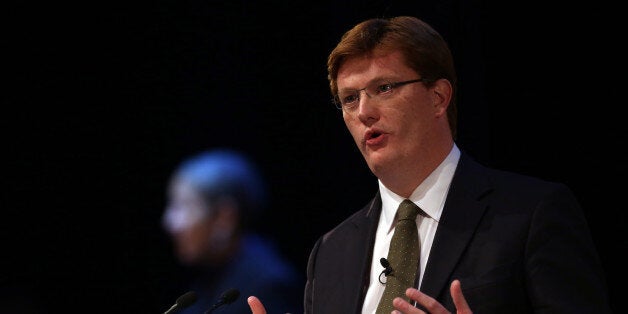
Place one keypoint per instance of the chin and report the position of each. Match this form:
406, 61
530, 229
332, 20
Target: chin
378, 161
375, 165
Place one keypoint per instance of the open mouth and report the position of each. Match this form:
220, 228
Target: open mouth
373, 135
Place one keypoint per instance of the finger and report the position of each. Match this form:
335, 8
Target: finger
402, 306
256, 305
462, 307
430, 304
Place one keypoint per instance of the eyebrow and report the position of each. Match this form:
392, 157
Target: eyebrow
373, 81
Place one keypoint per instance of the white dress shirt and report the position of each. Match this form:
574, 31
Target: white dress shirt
430, 196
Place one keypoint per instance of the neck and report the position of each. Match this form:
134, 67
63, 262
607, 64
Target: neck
404, 179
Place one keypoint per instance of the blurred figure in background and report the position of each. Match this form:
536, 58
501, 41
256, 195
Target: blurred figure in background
212, 199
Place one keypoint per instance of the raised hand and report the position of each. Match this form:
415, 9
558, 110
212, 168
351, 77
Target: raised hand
430, 304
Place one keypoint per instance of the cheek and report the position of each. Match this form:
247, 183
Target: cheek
347, 119
354, 127
412, 122
193, 238
415, 112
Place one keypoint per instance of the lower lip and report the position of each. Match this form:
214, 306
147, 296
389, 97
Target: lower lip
376, 141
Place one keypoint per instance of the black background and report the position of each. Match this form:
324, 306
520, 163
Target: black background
102, 100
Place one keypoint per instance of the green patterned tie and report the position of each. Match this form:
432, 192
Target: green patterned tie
403, 256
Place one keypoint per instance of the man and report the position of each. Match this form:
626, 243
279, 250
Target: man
490, 241
212, 199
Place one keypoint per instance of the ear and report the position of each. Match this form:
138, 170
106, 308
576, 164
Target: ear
441, 96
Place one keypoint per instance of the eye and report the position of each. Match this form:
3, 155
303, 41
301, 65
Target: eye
384, 88
348, 98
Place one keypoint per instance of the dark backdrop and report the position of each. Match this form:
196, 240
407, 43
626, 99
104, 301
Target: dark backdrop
102, 100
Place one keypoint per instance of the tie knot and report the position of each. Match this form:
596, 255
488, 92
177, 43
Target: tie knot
408, 210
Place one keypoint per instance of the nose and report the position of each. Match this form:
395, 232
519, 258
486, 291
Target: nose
360, 93
367, 109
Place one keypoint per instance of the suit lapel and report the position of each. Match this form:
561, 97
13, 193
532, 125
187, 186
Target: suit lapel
359, 272
342, 263
461, 214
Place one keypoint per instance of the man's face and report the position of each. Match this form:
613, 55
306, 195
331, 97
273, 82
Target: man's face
391, 132
186, 219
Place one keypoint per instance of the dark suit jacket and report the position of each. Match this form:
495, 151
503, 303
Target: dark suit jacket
258, 269
518, 245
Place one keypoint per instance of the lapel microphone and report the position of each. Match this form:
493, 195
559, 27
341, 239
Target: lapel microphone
387, 269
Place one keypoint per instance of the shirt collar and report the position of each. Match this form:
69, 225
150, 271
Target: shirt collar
430, 195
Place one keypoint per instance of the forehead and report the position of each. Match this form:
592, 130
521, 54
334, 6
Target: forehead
359, 70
